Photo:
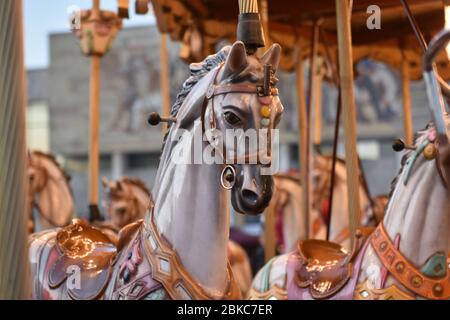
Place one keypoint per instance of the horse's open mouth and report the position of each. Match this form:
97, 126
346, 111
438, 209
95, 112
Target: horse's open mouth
252, 192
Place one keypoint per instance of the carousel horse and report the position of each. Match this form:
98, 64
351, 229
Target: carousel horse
179, 250
128, 200
406, 256
49, 199
287, 198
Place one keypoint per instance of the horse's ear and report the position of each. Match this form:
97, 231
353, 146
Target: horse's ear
272, 56
29, 155
105, 182
236, 60
119, 185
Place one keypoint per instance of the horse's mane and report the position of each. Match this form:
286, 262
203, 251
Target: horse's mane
138, 183
419, 138
197, 71
292, 176
53, 160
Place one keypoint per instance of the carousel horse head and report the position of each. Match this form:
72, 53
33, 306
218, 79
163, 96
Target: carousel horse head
243, 111
128, 200
241, 103
36, 175
49, 190
320, 202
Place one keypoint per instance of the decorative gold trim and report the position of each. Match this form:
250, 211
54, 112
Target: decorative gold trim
169, 271
366, 291
274, 293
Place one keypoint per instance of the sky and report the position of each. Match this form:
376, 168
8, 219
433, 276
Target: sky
42, 17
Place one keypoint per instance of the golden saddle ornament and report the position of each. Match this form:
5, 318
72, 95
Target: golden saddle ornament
86, 252
326, 266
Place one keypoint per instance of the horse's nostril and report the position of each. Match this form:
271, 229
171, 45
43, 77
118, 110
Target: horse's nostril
250, 196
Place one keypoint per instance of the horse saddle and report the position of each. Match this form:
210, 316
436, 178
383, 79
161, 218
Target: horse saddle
85, 257
326, 266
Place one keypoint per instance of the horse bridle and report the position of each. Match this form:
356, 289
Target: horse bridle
265, 92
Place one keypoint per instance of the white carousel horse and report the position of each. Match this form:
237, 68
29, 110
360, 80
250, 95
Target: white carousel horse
179, 250
287, 198
406, 256
49, 192
128, 201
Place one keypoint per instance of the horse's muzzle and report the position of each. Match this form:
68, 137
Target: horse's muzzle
252, 191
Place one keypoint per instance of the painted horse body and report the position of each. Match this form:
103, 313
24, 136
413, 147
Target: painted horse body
404, 258
179, 250
49, 199
128, 199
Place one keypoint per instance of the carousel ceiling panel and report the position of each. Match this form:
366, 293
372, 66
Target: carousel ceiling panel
202, 24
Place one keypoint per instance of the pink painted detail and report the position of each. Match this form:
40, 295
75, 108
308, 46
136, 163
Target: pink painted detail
325, 209
384, 271
132, 260
266, 100
432, 135
347, 291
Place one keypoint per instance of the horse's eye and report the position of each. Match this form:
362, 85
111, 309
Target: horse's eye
231, 118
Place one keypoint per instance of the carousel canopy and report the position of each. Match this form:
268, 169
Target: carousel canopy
202, 24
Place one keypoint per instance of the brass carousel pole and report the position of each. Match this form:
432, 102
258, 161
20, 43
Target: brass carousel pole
317, 94
343, 17
94, 131
407, 117
97, 32
14, 270
165, 88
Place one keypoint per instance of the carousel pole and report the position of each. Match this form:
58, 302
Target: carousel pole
270, 245
95, 42
264, 9
94, 133
335, 77
343, 17
165, 89
94, 129
407, 117
317, 94
14, 270
307, 161
303, 138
